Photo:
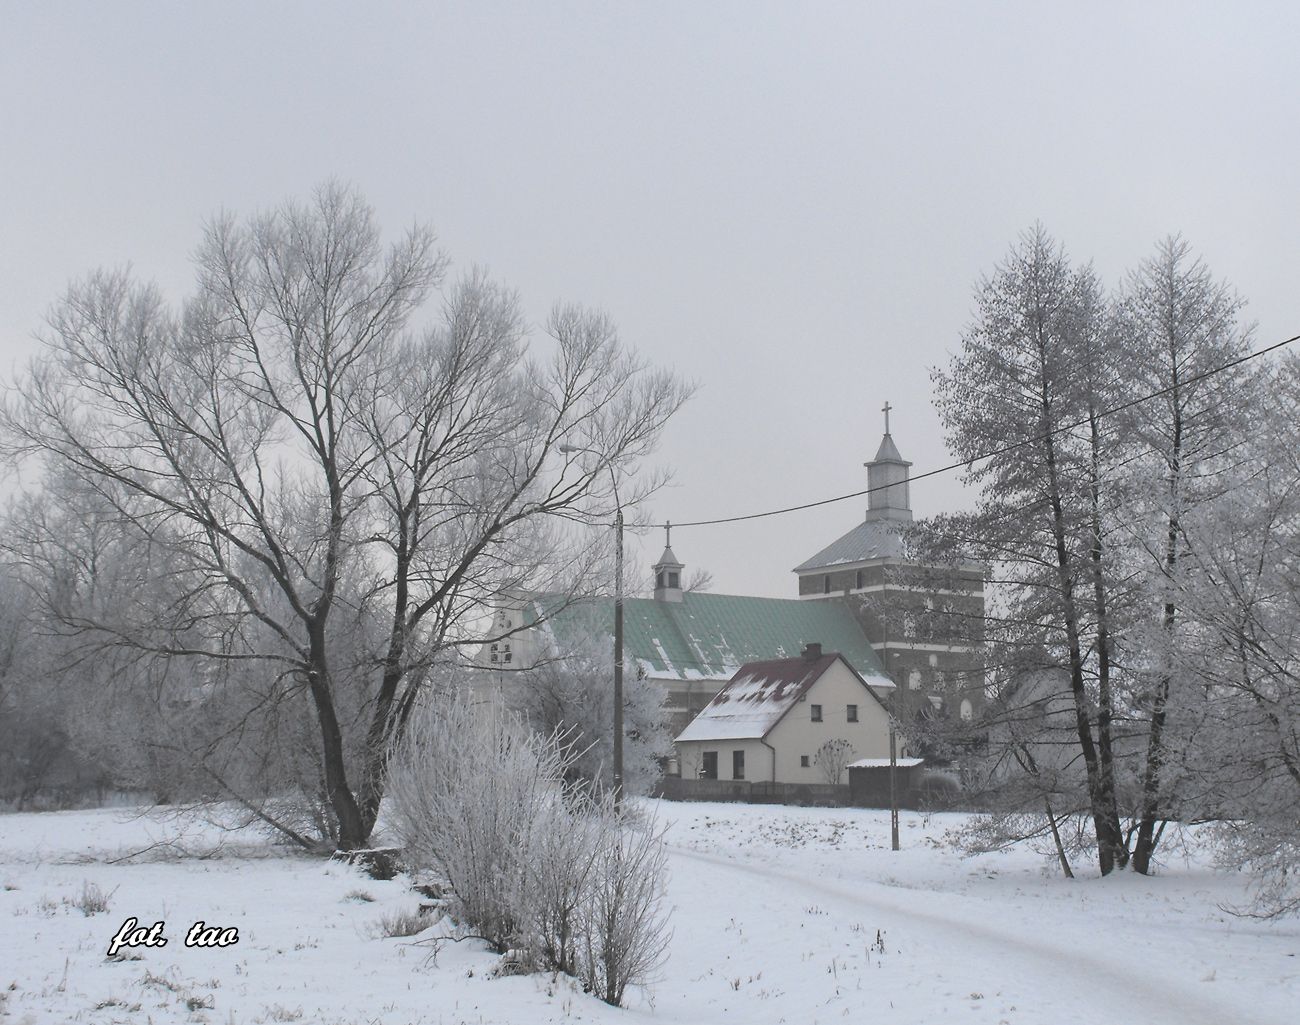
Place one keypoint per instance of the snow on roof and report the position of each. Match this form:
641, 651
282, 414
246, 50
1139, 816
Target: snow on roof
871, 539
756, 698
883, 763
759, 695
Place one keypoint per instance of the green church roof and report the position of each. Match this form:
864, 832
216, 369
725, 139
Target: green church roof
709, 636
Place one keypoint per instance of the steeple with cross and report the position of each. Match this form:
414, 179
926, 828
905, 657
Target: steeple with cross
887, 476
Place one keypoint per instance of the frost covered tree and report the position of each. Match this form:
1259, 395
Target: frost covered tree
572, 697
1025, 385
1175, 324
1084, 502
1238, 592
293, 449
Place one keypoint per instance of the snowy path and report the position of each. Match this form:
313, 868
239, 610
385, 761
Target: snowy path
942, 957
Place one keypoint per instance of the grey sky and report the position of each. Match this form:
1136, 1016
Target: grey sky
789, 203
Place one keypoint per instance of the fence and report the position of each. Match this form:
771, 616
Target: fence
869, 789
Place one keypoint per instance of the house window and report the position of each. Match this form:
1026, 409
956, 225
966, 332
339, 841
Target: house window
914, 679
737, 764
826, 584
816, 713
506, 657
803, 761
859, 580
709, 768
853, 713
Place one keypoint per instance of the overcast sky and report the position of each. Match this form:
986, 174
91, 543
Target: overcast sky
788, 203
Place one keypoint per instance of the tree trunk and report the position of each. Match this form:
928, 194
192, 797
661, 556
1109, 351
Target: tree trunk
1056, 839
1105, 814
1105, 709
353, 832
1147, 837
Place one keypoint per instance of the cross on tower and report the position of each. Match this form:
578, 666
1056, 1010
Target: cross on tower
887, 407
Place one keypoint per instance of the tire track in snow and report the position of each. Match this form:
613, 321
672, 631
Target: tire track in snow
1110, 988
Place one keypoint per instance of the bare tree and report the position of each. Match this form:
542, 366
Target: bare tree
295, 455
833, 758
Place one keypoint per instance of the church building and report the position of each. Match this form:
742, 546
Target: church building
925, 623
908, 631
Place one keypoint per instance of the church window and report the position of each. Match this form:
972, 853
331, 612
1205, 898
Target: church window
673, 580
853, 713
967, 711
659, 579
826, 583
816, 713
859, 580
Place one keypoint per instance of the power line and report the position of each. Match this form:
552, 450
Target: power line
995, 452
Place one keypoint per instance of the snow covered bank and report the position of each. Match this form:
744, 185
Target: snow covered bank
799, 915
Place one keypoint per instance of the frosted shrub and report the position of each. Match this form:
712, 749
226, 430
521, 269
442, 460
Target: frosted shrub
561, 878
468, 785
567, 844
625, 927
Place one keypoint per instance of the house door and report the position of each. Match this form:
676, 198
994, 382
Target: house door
709, 769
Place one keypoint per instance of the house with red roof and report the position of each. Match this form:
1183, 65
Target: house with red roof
785, 720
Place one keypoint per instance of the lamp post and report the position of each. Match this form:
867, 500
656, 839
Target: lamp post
618, 627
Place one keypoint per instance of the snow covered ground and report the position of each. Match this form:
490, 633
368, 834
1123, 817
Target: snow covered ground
790, 915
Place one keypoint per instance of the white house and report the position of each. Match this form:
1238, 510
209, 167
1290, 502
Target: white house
772, 719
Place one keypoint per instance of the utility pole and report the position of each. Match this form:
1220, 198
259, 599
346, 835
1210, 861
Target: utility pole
618, 623
893, 785
618, 657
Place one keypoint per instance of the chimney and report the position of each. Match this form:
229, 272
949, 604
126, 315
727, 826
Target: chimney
812, 651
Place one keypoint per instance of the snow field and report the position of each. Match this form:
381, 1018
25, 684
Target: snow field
779, 915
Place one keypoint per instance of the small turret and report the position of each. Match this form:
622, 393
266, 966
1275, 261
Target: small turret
668, 573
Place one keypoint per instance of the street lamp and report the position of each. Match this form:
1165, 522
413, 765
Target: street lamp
618, 626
